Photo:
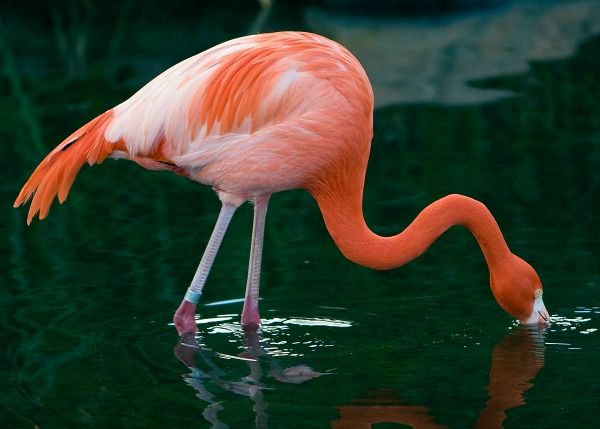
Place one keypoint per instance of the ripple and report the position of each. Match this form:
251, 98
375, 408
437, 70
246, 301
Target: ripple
562, 324
567, 331
292, 337
316, 321
213, 320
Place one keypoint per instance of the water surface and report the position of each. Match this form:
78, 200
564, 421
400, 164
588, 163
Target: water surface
87, 295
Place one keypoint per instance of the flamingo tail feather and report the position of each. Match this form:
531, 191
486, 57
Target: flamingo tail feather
57, 171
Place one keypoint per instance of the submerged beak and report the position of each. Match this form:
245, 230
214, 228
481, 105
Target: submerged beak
543, 316
539, 315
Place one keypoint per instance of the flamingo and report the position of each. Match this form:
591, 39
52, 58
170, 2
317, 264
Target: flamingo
267, 113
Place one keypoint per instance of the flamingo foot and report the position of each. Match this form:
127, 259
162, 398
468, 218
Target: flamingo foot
184, 318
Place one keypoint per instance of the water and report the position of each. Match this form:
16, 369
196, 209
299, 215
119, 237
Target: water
87, 295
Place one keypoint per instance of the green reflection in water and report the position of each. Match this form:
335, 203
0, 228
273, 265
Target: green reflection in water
87, 295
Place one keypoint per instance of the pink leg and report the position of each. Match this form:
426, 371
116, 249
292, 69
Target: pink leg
250, 316
184, 316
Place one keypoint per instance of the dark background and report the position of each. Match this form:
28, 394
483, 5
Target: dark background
87, 295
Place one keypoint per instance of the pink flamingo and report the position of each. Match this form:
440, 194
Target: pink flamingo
267, 113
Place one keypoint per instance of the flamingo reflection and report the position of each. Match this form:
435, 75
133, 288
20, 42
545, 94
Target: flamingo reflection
251, 386
516, 360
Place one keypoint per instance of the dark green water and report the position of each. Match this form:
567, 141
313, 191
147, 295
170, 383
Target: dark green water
87, 295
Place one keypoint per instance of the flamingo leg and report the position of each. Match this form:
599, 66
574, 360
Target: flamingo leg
184, 316
250, 316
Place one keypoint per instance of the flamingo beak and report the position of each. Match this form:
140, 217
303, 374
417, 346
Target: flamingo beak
539, 315
543, 315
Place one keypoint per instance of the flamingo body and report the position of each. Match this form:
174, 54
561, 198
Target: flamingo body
263, 114
241, 116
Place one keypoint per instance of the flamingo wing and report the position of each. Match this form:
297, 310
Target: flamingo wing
235, 115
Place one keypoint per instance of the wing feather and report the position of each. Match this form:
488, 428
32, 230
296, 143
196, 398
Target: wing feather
236, 97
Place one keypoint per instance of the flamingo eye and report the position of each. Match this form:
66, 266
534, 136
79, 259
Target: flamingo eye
538, 293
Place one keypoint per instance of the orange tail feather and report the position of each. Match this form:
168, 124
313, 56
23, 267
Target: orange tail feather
57, 171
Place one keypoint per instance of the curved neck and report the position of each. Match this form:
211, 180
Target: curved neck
342, 212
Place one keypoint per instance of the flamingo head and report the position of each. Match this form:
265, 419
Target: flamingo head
518, 290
